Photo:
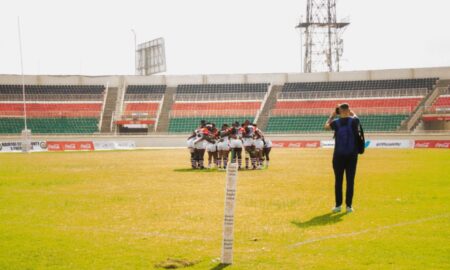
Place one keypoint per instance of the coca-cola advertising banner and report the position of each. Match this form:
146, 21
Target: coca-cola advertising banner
296, 144
432, 144
70, 145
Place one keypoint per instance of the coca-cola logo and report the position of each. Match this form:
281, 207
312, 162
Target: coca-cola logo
70, 146
294, 145
311, 145
442, 145
54, 146
433, 144
85, 146
423, 145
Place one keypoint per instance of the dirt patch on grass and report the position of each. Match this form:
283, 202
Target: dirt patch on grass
172, 263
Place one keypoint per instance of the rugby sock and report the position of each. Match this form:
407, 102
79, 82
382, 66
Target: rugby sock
225, 162
254, 162
209, 159
217, 162
193, 162
246, 162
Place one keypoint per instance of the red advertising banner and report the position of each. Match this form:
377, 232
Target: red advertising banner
296, 144
70, 146
428, 118
432, 144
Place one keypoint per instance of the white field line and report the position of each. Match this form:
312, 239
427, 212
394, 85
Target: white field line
376, 229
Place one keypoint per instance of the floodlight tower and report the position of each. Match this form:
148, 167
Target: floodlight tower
322, 42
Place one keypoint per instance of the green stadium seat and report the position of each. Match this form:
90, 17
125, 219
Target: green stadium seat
314, 123
50, 125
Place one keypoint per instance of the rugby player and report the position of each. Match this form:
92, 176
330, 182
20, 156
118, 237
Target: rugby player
259, 145
249, 132
236, 144
211, 146
223, 146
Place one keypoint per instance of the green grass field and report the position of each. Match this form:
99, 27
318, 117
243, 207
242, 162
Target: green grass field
135, 209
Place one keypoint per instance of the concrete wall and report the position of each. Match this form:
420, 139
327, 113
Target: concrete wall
437, 125
273, 78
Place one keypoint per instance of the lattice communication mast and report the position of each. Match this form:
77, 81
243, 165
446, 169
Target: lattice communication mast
323, 45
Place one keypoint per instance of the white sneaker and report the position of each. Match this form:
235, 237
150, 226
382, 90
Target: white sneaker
337, 209
349, 209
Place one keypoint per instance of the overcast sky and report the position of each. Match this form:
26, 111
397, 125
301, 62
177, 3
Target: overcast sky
211, 36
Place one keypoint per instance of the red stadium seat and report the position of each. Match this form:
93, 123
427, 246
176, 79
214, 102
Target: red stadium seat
149, 108
52, 109
210, 106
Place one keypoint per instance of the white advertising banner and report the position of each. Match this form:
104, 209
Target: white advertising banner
327, 144
104, 145
36, 146
125, 145
394, 144
114, 145
389, 144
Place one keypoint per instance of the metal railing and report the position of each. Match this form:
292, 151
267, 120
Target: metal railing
66, 98
50, 114
436, 110
328, 111
138, 115
143, 97
219, 96
419, 92
212, 113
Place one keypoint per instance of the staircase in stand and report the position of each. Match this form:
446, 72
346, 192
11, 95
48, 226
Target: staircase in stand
263, 119
163, 120
110, 106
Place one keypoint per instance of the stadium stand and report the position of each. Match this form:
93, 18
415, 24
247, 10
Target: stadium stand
294, 107
143, 100
217, 103
51, 109
141, 105
361, 85
382, 105
442, 103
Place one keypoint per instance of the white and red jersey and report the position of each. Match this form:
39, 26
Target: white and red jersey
258, 139
215, 134
201, 132
236, 133
249, 131
224, 135
258, 134
200, 138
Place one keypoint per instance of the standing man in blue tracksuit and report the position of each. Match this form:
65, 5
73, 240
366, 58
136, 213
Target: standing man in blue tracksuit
345, 125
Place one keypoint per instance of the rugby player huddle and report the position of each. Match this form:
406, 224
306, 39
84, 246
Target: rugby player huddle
219, 143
